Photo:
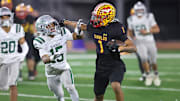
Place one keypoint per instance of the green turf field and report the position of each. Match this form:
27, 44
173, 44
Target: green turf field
83, 66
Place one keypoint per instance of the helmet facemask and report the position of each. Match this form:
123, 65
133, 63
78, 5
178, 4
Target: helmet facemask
140, 9
96, 20
6, 17
53, 28
46, 25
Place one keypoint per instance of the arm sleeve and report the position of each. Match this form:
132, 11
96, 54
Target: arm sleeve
152, 20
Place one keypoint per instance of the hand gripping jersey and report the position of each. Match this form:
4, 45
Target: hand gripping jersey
56, 45
9, 44
146, 22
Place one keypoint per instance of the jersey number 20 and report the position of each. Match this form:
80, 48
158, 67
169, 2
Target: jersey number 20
8, 47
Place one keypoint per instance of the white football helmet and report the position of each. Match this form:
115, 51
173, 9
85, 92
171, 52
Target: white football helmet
4, 11
140, 9
47, 25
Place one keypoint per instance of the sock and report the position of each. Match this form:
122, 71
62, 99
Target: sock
147, 73
31, 73
156, 73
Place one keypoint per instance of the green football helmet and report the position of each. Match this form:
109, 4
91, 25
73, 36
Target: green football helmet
47, 25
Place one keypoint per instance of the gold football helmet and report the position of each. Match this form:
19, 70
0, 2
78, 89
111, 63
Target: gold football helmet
7, 3
103, 14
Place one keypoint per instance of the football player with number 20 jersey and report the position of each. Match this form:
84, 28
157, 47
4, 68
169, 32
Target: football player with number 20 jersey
11, 35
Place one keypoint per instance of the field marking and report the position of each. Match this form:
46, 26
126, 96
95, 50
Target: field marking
128, 73
125, 87
48, 97
131, 56
93, 56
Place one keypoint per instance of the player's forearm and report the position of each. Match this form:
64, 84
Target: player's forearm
129, 49
74, 24
70, 23
155, 29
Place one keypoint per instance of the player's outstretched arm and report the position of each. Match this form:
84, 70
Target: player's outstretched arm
74, 24
128, 47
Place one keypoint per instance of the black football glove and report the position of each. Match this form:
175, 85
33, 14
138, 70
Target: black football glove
61, 22
113, 46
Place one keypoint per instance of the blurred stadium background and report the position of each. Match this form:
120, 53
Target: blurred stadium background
167, 14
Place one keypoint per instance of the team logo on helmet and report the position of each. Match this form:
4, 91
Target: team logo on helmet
103, 14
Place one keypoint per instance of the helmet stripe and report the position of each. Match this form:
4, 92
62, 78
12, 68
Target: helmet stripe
41, 39
38, 40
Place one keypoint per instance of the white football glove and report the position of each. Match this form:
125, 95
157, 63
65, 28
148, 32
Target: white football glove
77, 29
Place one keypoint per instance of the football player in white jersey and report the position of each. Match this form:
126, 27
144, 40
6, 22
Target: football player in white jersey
10, 35
143, 25
51, 44
142, 78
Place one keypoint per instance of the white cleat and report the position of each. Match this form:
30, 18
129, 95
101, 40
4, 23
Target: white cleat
20, 79
148, 81
143, 77
157, 81
31, 78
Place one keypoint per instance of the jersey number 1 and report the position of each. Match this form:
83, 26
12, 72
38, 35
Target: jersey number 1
101, 46
60, 58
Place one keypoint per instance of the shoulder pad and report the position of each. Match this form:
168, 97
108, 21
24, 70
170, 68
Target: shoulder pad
116, 20
38, 42
149, 15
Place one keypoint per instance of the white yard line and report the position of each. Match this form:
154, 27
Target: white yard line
131, 56
48, 97
93, 56
125, 87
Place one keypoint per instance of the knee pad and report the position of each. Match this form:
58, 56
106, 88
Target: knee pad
70, 89
58, 91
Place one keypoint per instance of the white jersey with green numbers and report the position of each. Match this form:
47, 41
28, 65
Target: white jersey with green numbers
9, 44
146, 22
56, 45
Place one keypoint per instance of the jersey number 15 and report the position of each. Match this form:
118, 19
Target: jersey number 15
60, 58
